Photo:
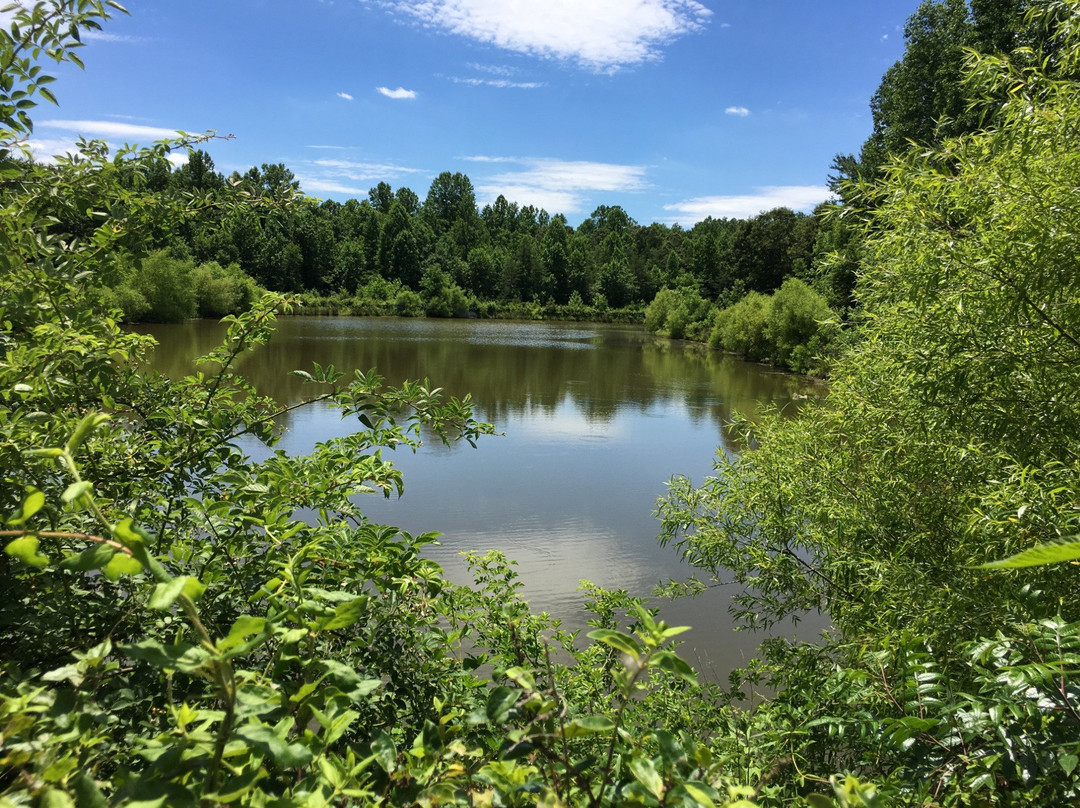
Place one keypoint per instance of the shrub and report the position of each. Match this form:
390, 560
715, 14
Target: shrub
796, 324
741, 328
167, 285
408, 304
223, 290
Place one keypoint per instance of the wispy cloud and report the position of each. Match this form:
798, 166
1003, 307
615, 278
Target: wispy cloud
317, 185
105, 36
796, 197
363, 171
498, 70
559, 186
600, 35
500, 83
57, 137
346, 96
112, 129
740, 112
400, 92
348, 177
484, 158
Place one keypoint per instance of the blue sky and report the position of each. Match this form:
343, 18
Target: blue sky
673, 109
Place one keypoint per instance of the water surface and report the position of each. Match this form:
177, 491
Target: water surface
594, 420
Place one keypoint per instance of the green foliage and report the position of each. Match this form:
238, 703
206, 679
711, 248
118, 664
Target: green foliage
408, 303
677, 313
741, 328
948, 440
798, 325
168, 286
791, 328
222, 290
440, 295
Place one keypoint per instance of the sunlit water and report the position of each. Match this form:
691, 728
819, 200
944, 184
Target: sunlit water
595, 419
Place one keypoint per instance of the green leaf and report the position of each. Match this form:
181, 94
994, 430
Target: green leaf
1051, 553
346, 614
671, 750
242, 628
122, 564
87, 793
699, 795
588, 725
674, 664
87, 426
25, 549
55, 798
644, 771
94, 557
165, 594
618, 640
129, 534
500, 702
384, 751
76, 490
280, 751
33, 503
235, 787
1068, 763
181, 656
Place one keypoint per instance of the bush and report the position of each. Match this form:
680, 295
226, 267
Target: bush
223, 290
797, 324
408, 304
168, 287
741, 328
441, 296
677, 313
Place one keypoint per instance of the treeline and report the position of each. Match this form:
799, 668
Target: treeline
457, 256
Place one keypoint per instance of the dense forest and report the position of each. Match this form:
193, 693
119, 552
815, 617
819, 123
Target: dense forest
171, 633
449, 251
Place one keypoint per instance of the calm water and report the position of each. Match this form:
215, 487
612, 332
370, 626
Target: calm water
595, 420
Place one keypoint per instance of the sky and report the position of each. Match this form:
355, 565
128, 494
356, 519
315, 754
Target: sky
675, 110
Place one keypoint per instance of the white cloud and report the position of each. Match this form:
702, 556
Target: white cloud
362, 172
346, 96
347, 177
45, 150
500, 83
112, 129
316, 185
105, 36
177, 158
484, 158
601, 35
558, 186
796, 197
400, 92
498, 70
741, 112
57, 137
546, 198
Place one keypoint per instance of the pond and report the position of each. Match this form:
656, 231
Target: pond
594, 420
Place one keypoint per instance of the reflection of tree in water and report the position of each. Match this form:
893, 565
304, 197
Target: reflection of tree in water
509, 369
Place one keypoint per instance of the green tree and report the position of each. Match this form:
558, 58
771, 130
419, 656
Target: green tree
945, 443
